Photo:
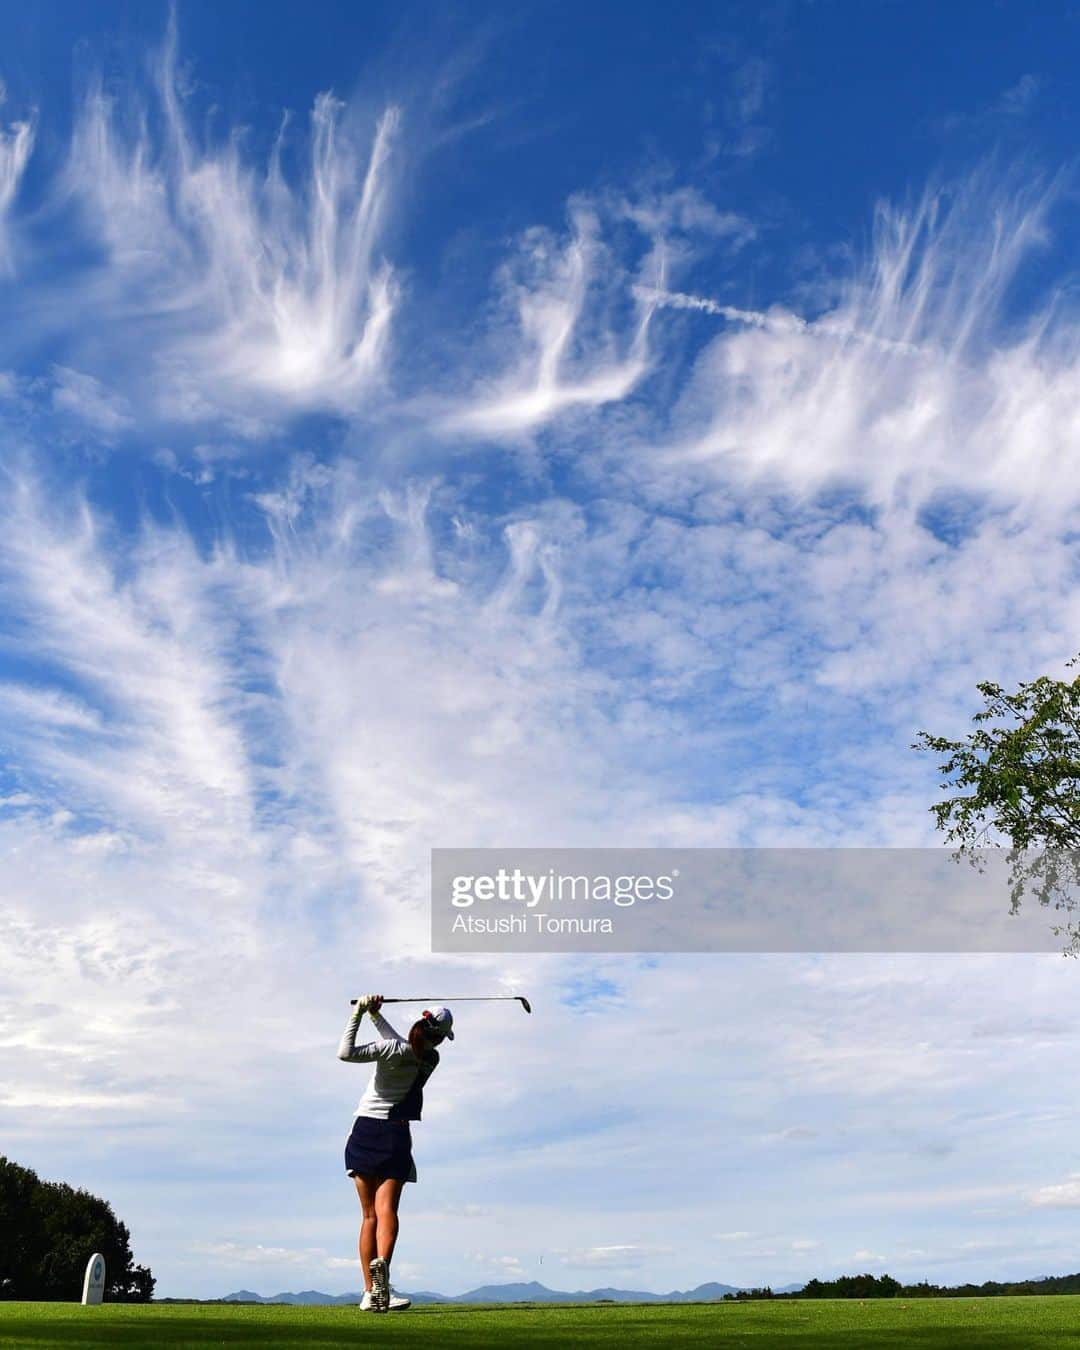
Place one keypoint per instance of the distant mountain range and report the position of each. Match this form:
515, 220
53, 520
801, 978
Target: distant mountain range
514, 1293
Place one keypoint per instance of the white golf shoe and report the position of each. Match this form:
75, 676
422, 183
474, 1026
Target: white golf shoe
380, 1285
380, 1297
398, 1302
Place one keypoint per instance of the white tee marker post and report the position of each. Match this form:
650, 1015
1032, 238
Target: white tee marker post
93, 1290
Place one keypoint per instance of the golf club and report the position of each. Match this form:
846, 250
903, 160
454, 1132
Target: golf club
469, 998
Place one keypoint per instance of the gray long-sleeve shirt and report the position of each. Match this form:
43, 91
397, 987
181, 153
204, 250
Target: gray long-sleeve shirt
395, 1091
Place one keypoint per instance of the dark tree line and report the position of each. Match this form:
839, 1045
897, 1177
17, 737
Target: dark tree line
884, 1286
845, 1286
49, 1231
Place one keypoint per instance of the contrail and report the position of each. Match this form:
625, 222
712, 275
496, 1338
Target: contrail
773, 323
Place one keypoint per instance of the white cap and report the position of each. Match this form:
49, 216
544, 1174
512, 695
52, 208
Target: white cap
443, 1019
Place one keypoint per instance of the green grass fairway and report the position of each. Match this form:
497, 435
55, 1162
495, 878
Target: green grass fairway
814, 1325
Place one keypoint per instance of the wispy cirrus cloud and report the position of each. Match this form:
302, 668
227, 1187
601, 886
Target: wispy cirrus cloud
916, 381
16, 144
90, 401
564, 359
576, 310
249, 284
47, 709
155, 684
1003, 113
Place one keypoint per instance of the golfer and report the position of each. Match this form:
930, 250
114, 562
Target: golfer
378, 1152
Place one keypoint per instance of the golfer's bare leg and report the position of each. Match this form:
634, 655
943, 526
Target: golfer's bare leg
366, 1190
387, 1199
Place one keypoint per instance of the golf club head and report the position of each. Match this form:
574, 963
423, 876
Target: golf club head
524, 1003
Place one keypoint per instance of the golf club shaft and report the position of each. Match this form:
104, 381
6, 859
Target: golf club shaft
467, 998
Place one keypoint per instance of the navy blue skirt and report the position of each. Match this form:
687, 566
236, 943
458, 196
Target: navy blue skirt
380, 1149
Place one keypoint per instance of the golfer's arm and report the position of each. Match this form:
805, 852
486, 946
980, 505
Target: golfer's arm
383, 1027
348, 1049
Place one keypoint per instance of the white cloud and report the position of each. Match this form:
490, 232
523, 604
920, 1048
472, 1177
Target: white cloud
911, 384
48, 709
683, 212
268, 1257
509, 1267
90, 401
1019, 96
577, 314
558, 366
16, 143
260, 294
1000, 114
235, 1253
148, 652
616, 1256
1063, 1195
747, 87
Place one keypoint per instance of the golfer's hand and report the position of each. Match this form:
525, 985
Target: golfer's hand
373, 1002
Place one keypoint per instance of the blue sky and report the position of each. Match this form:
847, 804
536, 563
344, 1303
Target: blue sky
430, 429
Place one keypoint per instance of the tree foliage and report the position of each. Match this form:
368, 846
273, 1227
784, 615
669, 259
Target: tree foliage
49, 1231
1016, 778
884, 1286
853, 1286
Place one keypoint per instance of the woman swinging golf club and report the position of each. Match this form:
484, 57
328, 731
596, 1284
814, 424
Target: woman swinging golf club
378, 1152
